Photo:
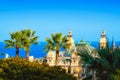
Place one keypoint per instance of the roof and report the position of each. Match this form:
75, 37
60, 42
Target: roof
67, 55
83, 46
53, 53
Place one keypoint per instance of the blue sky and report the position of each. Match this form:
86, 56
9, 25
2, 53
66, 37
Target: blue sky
86, 18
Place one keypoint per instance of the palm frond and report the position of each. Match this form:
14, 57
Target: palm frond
64, 39
33, 33
35, 42
57, 41
7, 41
28, 38
34, 39
49, 41
8, 46
26, 48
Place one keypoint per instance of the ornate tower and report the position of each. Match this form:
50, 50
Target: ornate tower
103, 41
70, 40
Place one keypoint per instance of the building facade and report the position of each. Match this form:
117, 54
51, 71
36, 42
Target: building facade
68, 59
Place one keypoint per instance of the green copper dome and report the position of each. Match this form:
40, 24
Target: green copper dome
84, 47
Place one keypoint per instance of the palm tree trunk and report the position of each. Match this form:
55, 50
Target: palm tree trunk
27, 55
93, 77
57, 54
17, 52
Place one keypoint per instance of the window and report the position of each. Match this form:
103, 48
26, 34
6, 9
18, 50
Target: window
49, 60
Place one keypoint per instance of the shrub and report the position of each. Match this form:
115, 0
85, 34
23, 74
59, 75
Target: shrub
20, 69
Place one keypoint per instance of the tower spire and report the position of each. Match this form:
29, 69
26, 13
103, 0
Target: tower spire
69, 34
103, 40
113, 44
70, 39
103, 33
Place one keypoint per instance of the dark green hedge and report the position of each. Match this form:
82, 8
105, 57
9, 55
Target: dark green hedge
19, 69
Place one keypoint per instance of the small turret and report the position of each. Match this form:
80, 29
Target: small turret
113, 45
69, 34
70, 40
103, 40
103, 34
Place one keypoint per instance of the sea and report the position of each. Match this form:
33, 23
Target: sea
38, 50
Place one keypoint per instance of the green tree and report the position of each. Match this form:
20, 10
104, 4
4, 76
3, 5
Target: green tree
90, 63
29, 39
109, 62
104, 65
15, 41
56, 42
116, 75
21, 69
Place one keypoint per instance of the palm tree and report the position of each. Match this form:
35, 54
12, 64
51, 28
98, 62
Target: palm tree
56, 42
105, 64
29, 39
90, 64
15, 41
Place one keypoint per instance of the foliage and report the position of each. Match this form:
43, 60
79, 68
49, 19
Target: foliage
56, 42
116, 76
15, 41
104, 65
22, 39
29, 39
21, 69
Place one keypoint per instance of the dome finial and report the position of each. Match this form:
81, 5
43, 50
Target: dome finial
82, 38
103, 33
70, 33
